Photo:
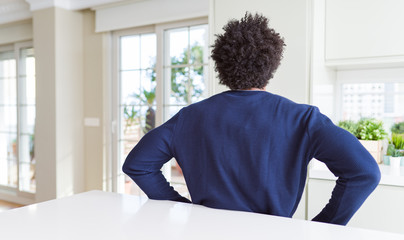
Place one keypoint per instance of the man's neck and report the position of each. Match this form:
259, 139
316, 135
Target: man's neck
255, 89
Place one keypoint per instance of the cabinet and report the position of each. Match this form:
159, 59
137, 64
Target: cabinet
383, 210
364, 32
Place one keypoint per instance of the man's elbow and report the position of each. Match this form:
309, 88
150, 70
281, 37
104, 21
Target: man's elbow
373, 175
134, 169
125, 167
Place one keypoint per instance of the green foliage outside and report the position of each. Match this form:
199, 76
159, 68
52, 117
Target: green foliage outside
183, 87
365, 128
132, 116
398, 128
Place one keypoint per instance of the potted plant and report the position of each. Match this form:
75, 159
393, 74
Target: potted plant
398, 128
370, 133
396, 149
349, 125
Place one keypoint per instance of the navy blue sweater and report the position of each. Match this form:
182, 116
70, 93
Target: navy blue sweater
249, 151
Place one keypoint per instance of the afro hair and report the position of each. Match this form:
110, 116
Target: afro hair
248, 53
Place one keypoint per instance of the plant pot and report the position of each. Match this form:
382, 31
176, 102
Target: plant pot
386, 160
395, 165
375, 148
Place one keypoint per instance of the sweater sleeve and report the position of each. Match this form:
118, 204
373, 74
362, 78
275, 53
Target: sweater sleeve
144, 163
357, 171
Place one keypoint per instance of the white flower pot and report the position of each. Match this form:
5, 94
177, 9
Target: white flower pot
375, 148
395, 165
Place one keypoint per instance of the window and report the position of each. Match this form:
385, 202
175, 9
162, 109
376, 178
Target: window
185, 74
372, 94
137, 78
159, 70
17, 118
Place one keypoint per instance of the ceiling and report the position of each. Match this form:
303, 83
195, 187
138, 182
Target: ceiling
16, 10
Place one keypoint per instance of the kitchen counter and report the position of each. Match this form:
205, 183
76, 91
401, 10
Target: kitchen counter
101, 215
319, 170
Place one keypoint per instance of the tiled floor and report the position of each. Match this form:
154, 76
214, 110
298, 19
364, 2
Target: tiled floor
7, 205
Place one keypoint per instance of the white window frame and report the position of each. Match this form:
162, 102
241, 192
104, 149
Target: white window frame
158, 29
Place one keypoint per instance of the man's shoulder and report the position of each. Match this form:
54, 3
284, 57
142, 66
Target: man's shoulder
290, 104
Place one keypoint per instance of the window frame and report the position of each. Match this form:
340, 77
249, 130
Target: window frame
158, 29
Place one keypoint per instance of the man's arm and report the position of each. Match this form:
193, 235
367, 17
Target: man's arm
357, 171
144, 163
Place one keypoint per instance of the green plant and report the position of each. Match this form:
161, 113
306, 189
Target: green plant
392, 151
398, 128
183, 84
370, 129
349, 125
398, 141
130, 115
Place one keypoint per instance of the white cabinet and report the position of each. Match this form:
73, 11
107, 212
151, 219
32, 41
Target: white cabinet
383, 210
364, 31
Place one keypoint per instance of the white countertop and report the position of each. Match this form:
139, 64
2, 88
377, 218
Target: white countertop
319, 170
101, 215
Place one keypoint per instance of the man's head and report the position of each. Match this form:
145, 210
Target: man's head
248, 53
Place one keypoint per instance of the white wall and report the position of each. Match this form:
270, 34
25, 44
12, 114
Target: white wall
93, 94
323, 92
59, 96
292, 20
69, 100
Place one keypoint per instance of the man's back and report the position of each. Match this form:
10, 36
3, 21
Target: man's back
248, 151
244, 150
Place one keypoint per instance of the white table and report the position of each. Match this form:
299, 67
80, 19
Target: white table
101, 215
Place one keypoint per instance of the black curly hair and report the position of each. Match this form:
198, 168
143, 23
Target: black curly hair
248, 53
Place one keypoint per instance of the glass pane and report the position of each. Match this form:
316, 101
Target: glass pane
8, 82
27, 163
179, 85
8, 159
7, 65
8, 91
27, 119
177, 42
130, 123
8, 119
27, 80
197, 81
379, 100
148, 120
198, 43
130, 87
126, 147
125, 184
171, 111
148, 51
148, 83
130, 52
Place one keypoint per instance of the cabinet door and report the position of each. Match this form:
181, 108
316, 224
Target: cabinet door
364, 29
383, 210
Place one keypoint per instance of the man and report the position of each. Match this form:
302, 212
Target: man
247, 149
